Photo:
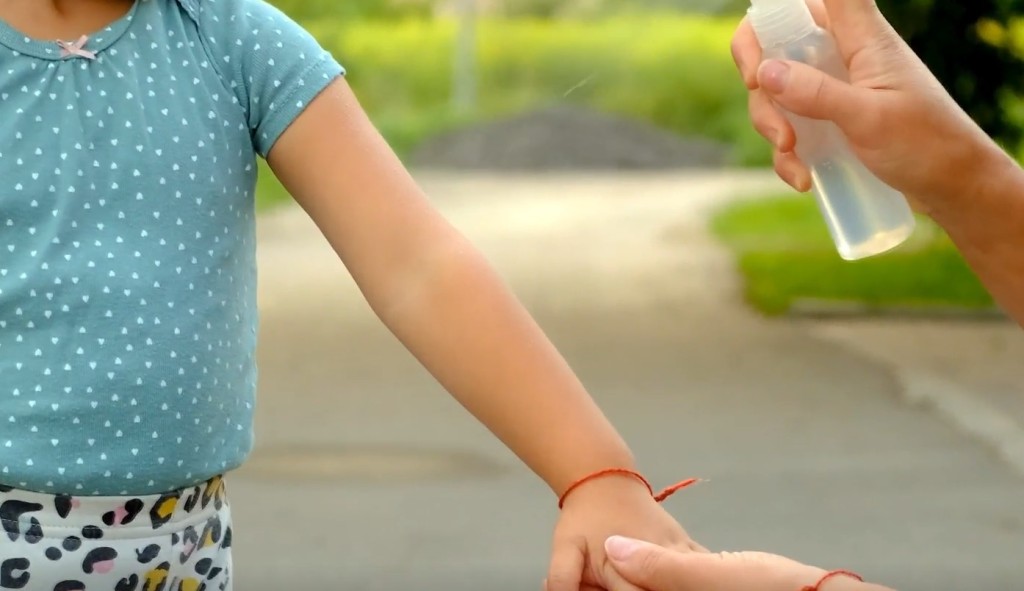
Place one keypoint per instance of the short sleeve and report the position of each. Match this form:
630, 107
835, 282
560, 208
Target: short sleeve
274, 66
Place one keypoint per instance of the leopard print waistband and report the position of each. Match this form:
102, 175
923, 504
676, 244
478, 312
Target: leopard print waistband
24, 513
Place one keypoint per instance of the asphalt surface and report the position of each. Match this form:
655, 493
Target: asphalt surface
367, 476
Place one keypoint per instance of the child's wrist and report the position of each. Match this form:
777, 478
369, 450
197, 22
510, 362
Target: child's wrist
620, 484
578, 465
617, 483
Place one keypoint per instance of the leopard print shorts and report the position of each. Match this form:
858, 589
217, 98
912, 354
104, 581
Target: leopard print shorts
179, 541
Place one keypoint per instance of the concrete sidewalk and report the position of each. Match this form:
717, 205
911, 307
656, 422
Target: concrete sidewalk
368, 476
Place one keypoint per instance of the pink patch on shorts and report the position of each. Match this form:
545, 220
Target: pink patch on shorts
103, 567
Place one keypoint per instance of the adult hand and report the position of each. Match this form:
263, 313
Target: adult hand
899, 119
655, 568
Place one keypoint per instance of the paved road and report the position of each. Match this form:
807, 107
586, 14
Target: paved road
810, 449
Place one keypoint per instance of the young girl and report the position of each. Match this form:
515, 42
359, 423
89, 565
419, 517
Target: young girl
127, 293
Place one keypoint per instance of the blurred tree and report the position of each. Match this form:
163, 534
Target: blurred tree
975, 48
972, 48
553, 8
316, 9
464, 74
538, 8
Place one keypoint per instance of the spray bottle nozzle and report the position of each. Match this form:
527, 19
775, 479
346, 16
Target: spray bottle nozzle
777, 22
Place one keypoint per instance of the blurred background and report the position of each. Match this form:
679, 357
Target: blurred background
863, 415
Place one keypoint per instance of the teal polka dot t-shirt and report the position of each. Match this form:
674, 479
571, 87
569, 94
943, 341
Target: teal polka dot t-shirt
127, 257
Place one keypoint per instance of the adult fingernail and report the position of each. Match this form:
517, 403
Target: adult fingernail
774, 76
799, 180
620, 548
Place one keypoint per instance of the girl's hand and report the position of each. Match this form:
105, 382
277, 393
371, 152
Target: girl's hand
654, 568
601, 508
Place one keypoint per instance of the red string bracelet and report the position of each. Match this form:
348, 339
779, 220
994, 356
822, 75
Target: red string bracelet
659, 497
831, 575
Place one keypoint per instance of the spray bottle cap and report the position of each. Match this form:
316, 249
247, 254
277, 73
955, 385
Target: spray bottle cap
777, 22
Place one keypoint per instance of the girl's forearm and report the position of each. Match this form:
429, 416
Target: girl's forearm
438, 295
461, 322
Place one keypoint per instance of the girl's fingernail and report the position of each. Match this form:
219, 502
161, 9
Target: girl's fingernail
620, 548
774, 76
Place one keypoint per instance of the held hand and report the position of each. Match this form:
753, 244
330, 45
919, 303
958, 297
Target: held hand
898, 118
601, 508
654, 568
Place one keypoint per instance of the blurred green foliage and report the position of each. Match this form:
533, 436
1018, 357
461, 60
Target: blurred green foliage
585, 8
347, 10
673, 70
663, 61
974, 48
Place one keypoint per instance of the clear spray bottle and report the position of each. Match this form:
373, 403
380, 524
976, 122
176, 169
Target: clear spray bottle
865, 216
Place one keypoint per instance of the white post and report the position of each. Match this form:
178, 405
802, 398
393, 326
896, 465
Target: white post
464, 79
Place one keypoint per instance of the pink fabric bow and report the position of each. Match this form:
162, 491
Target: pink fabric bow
77, 48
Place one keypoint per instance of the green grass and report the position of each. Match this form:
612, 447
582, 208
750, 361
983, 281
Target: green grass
785, 255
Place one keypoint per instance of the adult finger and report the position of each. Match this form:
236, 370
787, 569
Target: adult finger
746, 52
655, 568
650, 566
819, 12
583, 587
792, 170
769, 121
807, 91
856, 24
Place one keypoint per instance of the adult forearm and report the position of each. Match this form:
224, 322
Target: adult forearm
458, 318
852, 585
984, 216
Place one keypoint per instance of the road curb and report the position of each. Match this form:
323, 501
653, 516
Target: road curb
813, 309
965, 411
956, 404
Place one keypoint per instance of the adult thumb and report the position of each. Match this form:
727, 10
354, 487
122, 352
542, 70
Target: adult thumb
655, 568
809, 92
856, 23
649, 566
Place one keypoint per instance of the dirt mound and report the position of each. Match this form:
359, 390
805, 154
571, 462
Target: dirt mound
567, 138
